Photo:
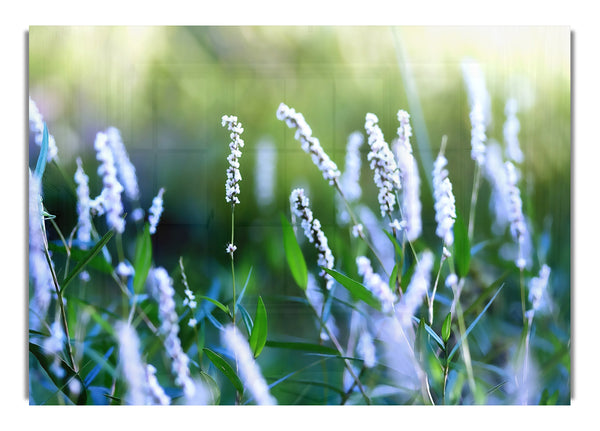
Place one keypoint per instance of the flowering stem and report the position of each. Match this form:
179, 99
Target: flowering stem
231, 254
437, 278
63, 313
476, 181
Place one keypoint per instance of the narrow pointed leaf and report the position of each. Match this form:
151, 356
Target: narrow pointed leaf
258, 338
62, 383
142, 260
293, 254
446, 326
357, 290
87, 258
472, 325
41, 161
248, 323
221, 307
223, 366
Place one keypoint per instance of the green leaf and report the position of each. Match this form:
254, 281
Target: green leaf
395, 242
87, 258
225, 368
258, 337
393, 278
446, 328
357, 290
62, 384
98, 262
142, 260
43, 157
306, 347
462, 247
472, 325
293, 254
222, 307
420, 340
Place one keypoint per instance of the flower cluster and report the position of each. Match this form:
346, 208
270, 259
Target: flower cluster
518, 226
445, 211
156, 210
232, 187
125, 169
109, 200
162, 290
155, 392
350, 179
375, 284
537, 288
366, 349
312, 230
409, 172
248, 368
84, 223
132, 365
383, 164
190, 298
36, 125
511, 131
479, 101
310, 144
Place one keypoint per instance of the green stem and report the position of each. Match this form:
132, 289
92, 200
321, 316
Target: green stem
232, 265
475, 192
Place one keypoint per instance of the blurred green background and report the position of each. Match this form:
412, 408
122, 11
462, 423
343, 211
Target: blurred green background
166, 88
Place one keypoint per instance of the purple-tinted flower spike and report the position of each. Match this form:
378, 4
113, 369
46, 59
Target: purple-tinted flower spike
383, 164
84, 224
312, 230
248, 368
479, 101
109, 201
409, 172
417, 289
310, 144
125, 169
518, 226
511, 132
380, 288
156, 210
162, 290
232, 186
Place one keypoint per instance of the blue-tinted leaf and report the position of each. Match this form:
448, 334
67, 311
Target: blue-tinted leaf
472, 325
42, 158
246, 318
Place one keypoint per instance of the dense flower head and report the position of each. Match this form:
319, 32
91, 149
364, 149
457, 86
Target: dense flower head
537, 288
445, 211
511, 131
309, 143
155, 392
409, 173
163, 292
248, 368
312, 230
366, 349
518, 226
385, 170
132, 366
156, 210
232, 186
265, 171
84, 223
479, 101
125, 169
109, 200
350, 179
380, 289
36, 125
